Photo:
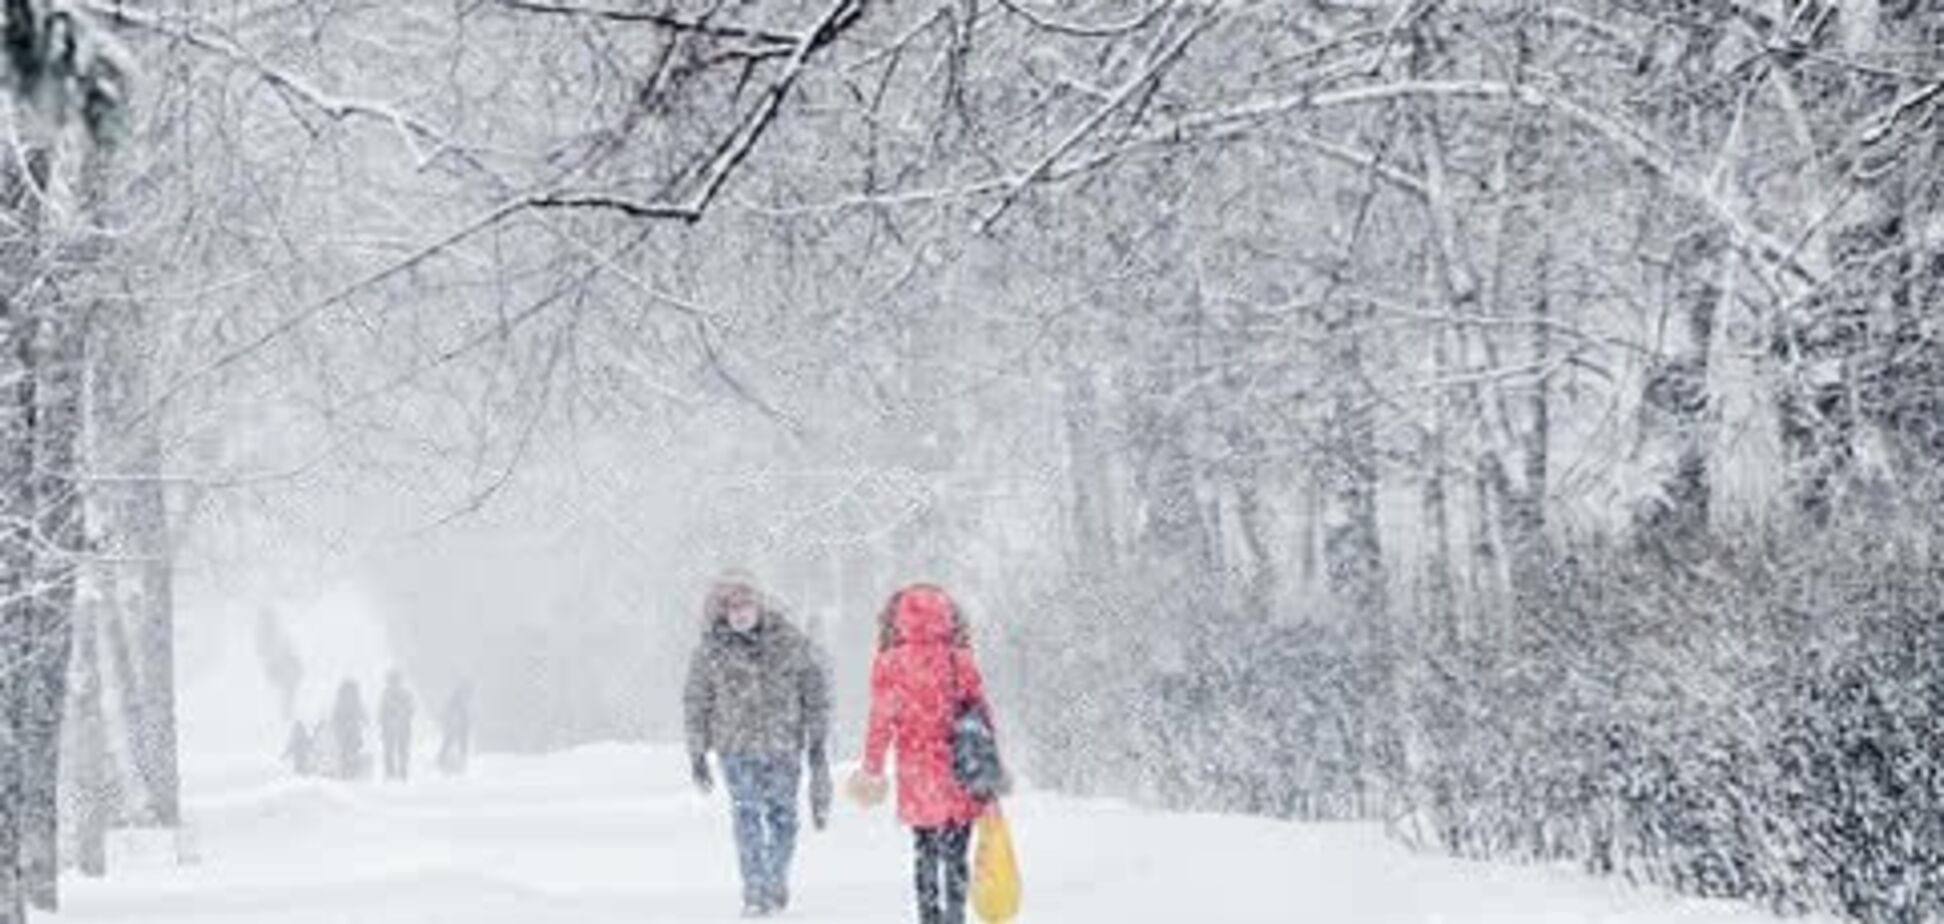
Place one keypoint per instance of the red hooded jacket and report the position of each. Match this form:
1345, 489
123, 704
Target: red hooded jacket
913, 706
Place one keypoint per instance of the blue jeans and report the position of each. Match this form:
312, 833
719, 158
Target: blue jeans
763, 792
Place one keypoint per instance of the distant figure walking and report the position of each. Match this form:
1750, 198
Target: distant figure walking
348, 723
758, 696
395, 722
278, 656
455, 730
301, 750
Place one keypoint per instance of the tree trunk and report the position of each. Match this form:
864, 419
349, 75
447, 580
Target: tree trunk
1354, 562
155, 735
1259, 595
1450, 286
88, 773
21, 675
1352, 544
1092, 537
1859, 348
1440, 588
56, 490
135, 535
16, 567
1675, 398
1888, 257
1514, 460
87, 768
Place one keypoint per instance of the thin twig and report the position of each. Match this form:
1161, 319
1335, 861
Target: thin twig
666, 21
1043, 21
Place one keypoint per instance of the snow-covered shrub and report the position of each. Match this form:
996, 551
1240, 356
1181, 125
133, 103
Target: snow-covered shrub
1756, 720
1753, 719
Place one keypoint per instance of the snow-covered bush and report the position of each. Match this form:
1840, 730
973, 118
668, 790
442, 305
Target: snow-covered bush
1754, 719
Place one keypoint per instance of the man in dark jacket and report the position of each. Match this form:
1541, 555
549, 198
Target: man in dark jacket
759, 697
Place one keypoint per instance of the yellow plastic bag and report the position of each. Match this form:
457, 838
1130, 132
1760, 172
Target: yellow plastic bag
995, 870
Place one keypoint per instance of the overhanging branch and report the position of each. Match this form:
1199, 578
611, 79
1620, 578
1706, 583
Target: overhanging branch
667, 21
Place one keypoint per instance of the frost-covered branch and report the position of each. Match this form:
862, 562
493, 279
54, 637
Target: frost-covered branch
1046, 21
1140, 82
1631, 142
704, 27
412, 129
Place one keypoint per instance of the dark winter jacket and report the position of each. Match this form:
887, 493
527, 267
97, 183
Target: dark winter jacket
760, 692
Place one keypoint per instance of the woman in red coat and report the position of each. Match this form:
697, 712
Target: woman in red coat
923, 671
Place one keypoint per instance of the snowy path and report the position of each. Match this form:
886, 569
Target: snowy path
609, 834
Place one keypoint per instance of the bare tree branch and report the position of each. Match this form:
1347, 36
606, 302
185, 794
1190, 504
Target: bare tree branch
1112, 30
411, 129
1088, 126
666, 21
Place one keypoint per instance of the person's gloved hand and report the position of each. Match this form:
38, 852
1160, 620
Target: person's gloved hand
820, 792
821, 789
699, 772
867, 789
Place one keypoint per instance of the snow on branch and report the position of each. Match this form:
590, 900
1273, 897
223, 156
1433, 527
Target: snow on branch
1111, 30
1750, 239
1881, 124
411, 129
667, 21
290, 322
734, 148
1133, 87
632, 208
1349, 155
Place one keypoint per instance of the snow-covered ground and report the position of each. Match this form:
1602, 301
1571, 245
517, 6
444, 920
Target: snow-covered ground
612, 834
